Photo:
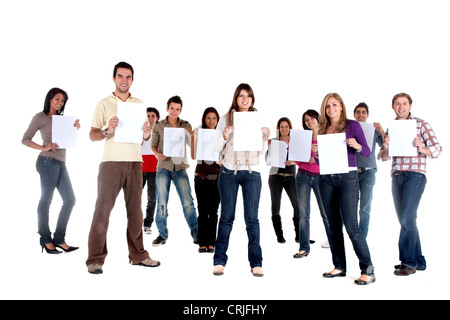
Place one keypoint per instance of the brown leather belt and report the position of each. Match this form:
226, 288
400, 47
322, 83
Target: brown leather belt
207, 176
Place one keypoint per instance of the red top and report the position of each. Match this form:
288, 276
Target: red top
149, 163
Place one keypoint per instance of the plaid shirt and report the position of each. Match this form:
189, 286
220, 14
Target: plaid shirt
418, 163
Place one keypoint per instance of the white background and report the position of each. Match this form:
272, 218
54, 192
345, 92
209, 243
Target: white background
292, 53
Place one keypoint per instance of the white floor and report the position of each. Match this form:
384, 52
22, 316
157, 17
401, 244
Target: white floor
186, 274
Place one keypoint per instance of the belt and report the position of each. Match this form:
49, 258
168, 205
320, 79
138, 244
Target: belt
364, 169
207, 176
286, 174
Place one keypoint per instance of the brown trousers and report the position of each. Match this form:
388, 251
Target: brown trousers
113, 177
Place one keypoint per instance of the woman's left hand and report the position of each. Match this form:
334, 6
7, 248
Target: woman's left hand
77, 124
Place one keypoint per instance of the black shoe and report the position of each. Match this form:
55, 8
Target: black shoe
363, 283
331, 275
202, 249
49, 251
418, 268
158, 241
281, 239
404, 271
70, 249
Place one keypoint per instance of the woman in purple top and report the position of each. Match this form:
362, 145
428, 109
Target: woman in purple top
308, 178
340, 191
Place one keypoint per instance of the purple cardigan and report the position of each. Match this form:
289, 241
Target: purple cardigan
354, 130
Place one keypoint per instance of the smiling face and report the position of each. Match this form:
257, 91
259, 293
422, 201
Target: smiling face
402, 107
123, 80
361, 114
284, 128
174, 110
244, 100
333, 109
311, 122
56, 103
152, 118
211, 120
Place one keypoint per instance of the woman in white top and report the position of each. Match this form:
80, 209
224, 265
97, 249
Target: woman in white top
239, 168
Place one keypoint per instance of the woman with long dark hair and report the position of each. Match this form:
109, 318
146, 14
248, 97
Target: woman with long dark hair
53, 172
206, 189
283, 178
308, 178
239, 168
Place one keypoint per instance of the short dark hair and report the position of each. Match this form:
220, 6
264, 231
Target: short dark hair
151, 109
50, 94
124, 65
175, 99
313, 114
361, 105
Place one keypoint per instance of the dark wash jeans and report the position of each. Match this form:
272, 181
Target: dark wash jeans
304, 183
208, 200
149, 178
251, 190
340, 200
407, 190
54, 175
112, 178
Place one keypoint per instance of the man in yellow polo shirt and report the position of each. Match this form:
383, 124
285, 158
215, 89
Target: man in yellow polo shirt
121, 168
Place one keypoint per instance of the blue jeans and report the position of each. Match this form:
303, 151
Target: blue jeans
54, 175
251, 190
181, 181
407, 189
304, 183
366, 183
340, 199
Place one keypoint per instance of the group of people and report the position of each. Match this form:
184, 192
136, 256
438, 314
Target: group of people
125, 167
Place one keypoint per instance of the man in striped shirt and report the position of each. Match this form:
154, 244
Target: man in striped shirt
408, 183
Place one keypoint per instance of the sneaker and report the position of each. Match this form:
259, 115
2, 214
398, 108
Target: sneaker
147, 263
147, 230
257, 271
158, 241
95, 268
325, 244
218, 270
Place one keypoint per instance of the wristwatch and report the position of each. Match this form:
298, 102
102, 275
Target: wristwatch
104, 132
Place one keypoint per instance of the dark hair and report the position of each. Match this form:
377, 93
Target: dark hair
208, 110
313, 114
125, 66
362, 105
151, 109
50, 95
234, 105
175, 99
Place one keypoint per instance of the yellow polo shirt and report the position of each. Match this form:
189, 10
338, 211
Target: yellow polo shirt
115, 151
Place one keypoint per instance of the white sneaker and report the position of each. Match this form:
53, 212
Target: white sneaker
325, 244
147, 230
218, 270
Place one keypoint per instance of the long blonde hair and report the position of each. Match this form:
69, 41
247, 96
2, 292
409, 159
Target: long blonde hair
324, 120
